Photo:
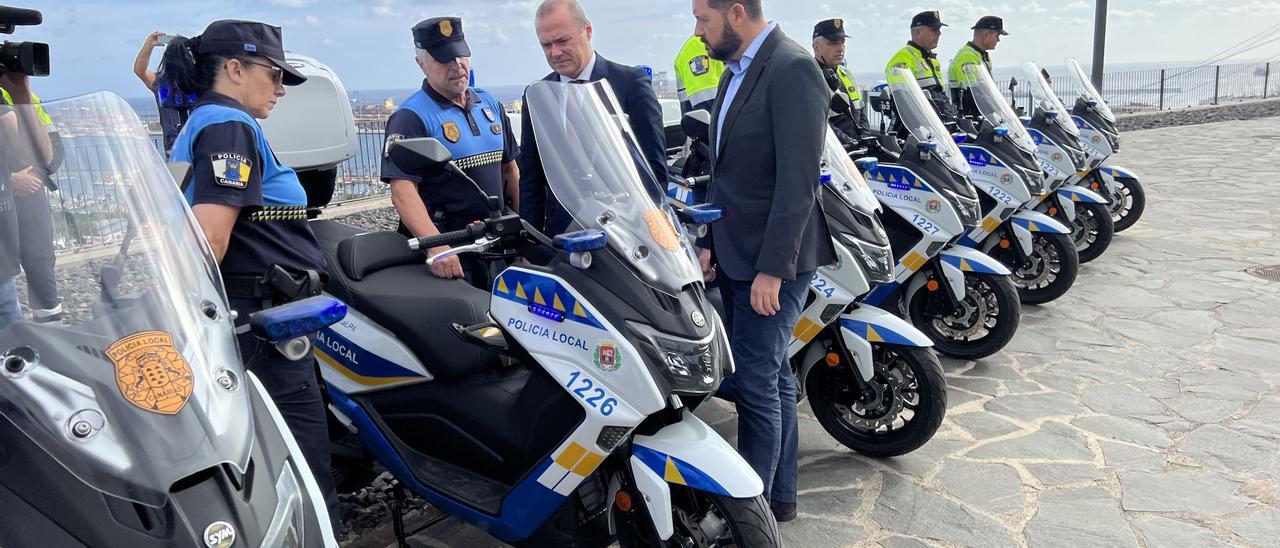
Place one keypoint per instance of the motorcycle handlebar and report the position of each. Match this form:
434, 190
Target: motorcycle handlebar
468, 234
700, 180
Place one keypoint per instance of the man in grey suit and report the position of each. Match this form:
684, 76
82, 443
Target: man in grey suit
768, 125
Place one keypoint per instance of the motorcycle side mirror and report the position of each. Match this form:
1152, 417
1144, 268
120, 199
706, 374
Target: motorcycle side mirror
1013, 83
423, 154
840, 103
697, 124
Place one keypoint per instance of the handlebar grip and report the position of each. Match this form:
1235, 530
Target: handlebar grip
447, 238
699, 180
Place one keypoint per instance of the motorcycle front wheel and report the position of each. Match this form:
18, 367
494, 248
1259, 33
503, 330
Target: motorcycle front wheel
1047, 273
705, 520
906, 408
1128, 203
985, 321
1092, 230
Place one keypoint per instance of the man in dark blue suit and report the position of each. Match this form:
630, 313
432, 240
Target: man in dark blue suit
767, 130
565, 34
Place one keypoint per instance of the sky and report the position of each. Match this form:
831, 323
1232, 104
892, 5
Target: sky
368, 42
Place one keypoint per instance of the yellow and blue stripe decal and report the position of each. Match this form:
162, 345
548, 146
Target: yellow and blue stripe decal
897, 178
1032, 226
676, 471
967, 266
1080, 197
533, 290
356, 363
881, 293
1037, 137
875, 333
568, 468
979, 157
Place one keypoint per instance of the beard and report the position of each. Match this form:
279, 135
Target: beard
728, 44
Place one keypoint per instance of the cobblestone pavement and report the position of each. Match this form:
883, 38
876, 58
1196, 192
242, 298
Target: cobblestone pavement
1142, 409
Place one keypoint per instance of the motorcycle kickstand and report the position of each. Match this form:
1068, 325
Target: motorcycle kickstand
397, 514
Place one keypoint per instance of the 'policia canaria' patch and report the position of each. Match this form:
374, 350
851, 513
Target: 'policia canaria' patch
391, 141
231, 169
150, 372
700, 65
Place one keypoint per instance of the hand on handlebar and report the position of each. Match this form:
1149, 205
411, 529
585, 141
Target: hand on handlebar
447, 267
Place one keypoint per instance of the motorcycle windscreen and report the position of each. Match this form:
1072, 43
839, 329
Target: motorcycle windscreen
849, 182
596, 170
1045, 99
995, 109
916, 113
1088, 92
139, 384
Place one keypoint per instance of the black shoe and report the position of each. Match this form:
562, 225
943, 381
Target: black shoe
783, 511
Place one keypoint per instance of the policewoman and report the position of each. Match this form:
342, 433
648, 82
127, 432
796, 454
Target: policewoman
252, 208
473, 126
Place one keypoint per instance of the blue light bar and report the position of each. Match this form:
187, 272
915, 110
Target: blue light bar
1050, 114
590, 239
867, 164
546, 312
703, 214
293, 320
929, 146
960, 138
1026, 121
1002, 131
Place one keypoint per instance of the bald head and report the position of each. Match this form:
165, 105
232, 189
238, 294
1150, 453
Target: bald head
565, 35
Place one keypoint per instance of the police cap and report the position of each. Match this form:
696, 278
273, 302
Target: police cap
991, 22
442, 37
929, 19
831, 29
230, 37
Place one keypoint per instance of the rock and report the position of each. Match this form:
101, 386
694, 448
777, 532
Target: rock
1053, 441
1078, 517
901, 542
992, 487
983, 425
1030, 407
1120, 399
1053, 475
1120, 429
821, 533
834, 470
904, 507
1127, 457
1159, 531
1261, 528
1233, 451
1183, 490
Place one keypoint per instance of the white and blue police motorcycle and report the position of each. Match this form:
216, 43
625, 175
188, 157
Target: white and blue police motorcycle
1063, 159
132, 421
1101, 139
1038, 249
958, 296
554, 410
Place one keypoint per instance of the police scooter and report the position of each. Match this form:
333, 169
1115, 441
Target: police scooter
1037, 248
1101, 139
1062, 157
555, 410
132, 422
958, 296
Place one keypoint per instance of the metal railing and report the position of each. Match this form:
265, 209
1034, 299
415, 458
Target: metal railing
1169, 88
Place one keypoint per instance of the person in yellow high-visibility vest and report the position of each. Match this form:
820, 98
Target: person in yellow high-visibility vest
918, 57
828, 49
986, 34
697, 76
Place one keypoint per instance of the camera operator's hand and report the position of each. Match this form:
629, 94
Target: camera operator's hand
153, 39
24, 183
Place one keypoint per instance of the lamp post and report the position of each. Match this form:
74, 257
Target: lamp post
1099, 40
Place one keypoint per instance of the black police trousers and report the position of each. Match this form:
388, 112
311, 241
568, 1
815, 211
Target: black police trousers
35, 233
295, 389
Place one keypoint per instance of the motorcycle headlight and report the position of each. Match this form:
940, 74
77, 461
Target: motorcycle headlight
692, 367
970, 210
1034, 179
877, 261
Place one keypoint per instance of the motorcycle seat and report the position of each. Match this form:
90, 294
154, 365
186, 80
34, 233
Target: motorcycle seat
379, 276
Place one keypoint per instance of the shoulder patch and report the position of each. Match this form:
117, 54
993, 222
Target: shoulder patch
231, 169
391, 140
488, 113
700, 65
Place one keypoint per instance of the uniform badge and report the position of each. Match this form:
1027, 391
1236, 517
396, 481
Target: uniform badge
150, 372
838, 23
451, 131
1006, 178
607, 357
231, 169
934, 205
700, 65
488, 113
391, 140
496, 129
446, 28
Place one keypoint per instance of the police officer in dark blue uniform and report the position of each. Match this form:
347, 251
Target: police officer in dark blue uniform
252, 209
472, 125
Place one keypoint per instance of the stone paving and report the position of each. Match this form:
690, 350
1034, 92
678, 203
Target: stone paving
1142, 409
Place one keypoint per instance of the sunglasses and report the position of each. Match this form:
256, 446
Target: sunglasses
277, 73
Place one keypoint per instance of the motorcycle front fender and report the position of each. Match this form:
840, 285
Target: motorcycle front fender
1075, 193
972, 260
876, 325
691, 454
1034, 221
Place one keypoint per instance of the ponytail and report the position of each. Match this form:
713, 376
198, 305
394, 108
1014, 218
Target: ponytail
185, 69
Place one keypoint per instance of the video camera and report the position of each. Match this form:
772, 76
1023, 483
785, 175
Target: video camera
29, 58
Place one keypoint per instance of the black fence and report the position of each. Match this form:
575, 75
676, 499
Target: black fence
1169, 88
